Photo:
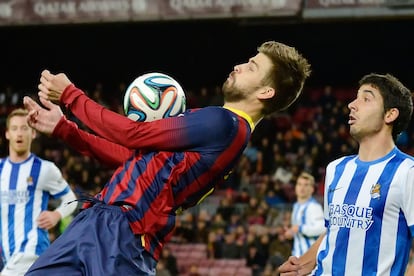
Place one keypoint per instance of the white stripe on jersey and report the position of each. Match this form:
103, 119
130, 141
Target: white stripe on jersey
368, 208
23, 199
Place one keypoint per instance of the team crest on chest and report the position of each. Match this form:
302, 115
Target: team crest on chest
376, 191
29, 180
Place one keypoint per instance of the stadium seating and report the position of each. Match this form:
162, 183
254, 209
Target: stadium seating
195, 255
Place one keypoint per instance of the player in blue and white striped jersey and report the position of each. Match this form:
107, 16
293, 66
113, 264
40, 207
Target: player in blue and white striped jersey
307, 222
369, 197
26, 184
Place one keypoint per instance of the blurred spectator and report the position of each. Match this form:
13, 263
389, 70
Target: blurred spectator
252, 155
169, 262
161, 269
230, 250
226, 208
307, 220
214, 248
327, 99
243, 196
280, 248
204, 97
193, 270
255, 260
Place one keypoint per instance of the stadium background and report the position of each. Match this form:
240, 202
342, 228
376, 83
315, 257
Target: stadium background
200, 53
204, 50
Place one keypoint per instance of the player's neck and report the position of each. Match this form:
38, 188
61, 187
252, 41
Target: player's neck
370, 150
16, 157
250, 110
302, 200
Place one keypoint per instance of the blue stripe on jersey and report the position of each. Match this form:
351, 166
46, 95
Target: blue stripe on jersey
308, 239
64, 192
120, 176
149, 194
28, 212
400, 262
162, 233
351, 196
338, 173
42, 234
373, 235
12, 186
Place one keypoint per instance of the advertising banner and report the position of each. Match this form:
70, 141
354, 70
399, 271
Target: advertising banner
32, 12
335, 9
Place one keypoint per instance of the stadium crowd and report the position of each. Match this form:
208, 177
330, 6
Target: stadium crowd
244, 219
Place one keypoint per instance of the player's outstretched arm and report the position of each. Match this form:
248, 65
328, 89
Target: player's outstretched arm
171, 134
50, 120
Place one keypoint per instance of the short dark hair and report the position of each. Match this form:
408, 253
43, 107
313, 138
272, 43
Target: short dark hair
394, 95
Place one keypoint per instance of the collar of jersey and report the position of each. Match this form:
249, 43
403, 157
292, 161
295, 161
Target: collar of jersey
243, 115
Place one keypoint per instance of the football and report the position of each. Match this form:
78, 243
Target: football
154, 96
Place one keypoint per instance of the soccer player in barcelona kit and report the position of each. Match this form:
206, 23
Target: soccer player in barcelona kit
177, 163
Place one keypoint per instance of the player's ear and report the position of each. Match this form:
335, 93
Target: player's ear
266, 92
391, 115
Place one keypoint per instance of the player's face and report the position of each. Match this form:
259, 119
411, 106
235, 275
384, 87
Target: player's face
366, 117
303, 189
246, 78
20, 135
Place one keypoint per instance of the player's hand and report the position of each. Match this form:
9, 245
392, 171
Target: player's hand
291, 267
52, 86
42, 119
48, 219
290, 232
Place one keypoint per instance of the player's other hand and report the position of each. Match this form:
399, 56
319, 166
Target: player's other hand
52, 86
291, 267
48, 219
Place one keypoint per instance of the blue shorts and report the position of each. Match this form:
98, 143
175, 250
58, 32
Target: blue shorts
99, 241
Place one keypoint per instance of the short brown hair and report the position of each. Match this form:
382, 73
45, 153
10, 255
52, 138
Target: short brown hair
17, 112
307, 176
287, 76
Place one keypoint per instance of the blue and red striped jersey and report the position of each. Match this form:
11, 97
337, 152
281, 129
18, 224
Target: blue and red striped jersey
175, 163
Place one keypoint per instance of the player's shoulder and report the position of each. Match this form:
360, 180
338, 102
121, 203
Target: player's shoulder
405, 156
341, 159
216, 110
214, 114
46, 165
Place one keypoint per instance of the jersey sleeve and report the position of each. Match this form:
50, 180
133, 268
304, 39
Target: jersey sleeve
314, 225
192, 132
106, 152
328, 180
53, 181
408, 202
